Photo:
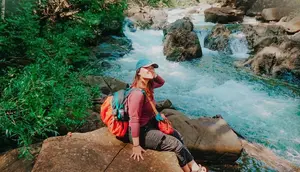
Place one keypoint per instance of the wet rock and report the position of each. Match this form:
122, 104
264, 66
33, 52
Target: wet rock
223, 15
181, 43
218, 39
260, 36
277, 60
209, 139
113, 46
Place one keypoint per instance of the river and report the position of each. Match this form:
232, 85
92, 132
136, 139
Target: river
263, 112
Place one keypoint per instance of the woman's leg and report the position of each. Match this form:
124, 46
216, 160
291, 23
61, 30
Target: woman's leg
155, 139
192, 165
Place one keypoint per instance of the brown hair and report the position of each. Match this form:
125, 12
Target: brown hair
149, 88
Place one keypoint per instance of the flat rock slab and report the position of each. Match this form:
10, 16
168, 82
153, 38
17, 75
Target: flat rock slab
98, 151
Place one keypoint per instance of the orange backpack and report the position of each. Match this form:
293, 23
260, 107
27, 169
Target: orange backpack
114, 113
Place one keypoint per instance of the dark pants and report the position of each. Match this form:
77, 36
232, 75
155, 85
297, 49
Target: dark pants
152, 138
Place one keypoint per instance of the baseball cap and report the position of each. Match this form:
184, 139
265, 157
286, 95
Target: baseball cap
145, 63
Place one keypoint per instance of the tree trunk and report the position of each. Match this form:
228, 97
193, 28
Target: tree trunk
3, 10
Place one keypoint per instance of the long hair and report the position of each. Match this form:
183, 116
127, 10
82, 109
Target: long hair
149, 88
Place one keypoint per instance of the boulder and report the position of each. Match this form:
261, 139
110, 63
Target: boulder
218, 39
261, 35
181, 43
10, 161
181, 24
113, 46
293, 25
277, 60
98, 151
208, 139
223, 15
274, 14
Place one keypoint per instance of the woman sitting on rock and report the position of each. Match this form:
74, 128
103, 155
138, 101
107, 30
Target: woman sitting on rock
143, 132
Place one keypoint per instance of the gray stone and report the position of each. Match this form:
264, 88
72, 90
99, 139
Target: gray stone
209, 139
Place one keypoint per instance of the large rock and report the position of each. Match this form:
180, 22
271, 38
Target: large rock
181, 24
98, 151
218, 39
276, 61
209, 139
181, 42
274, 14
293, 25
260, 36
223, 15
10, 160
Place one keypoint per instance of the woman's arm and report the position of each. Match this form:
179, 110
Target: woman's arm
158, 81
135, 104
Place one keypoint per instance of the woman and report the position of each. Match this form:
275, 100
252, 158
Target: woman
142, 128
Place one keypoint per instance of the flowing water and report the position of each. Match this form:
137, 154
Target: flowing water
263, 112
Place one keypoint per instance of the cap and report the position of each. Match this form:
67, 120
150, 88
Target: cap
145, 63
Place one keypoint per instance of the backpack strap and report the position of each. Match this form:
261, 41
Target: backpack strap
132, 89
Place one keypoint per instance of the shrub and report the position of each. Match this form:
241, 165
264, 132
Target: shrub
37, 99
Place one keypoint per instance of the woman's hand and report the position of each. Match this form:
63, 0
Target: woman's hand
137, 153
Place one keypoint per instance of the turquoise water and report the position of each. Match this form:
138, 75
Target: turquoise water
263, 112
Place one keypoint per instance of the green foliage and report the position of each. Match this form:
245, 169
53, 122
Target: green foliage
43, 97
47, 94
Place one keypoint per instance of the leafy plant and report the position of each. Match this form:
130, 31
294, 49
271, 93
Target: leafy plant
38, 98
